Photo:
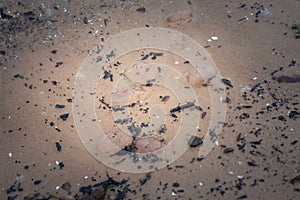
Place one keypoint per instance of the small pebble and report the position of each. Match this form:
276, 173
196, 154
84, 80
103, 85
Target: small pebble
64, 117
195, 141
36, 182
141, 9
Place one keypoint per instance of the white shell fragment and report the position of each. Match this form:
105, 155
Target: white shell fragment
214, 38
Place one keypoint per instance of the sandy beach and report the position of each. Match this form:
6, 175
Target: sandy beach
44, 45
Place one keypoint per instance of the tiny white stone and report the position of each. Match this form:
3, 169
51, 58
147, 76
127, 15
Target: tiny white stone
10, 155
254, 78
56, 162
176, 62
214, 38
240, 177
230, 172
86, 177
57, 187
209, 40
200, 183
174, 193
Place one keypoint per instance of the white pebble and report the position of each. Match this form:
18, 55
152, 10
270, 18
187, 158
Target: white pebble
240, 177
214, 38
10, 155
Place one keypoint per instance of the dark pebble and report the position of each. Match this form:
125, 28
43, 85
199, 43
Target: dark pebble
203, 115
195, 141
176, 184
251, 163
59, 106
53, 51
36, 182
57, 64
293, 114
282, 118
228, 150
18, 76
227, 82
243, 197
64, 117
85, 20
244, 116
58, 146
29, 14
141, 9
61, 165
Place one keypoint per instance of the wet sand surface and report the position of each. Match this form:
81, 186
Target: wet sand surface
43, 44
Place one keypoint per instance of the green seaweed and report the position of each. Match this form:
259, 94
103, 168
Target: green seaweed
296, 28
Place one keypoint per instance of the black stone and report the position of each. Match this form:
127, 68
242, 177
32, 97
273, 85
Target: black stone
195, 141
228, 150
176, 184
141, 9
53, 51
64, 117
59, 106
58, 146
244, 116
227, 82
57, 64
61, 165
36, 182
